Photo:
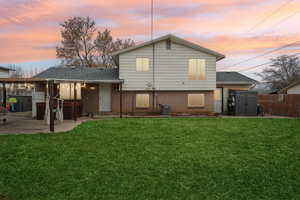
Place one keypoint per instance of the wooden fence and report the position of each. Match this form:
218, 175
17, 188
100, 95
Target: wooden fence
280, 104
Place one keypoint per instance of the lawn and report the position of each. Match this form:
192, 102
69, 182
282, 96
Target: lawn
178, 158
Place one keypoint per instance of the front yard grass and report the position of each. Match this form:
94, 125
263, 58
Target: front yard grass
177, 158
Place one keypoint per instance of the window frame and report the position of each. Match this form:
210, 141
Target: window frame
168, 44
143, 59
201, 71
198, 105
142, 106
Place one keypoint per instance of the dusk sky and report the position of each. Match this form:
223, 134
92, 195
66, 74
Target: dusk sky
240, 29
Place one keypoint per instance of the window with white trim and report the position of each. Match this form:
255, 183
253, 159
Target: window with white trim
142, 100
196, 100
196, 69
142, 64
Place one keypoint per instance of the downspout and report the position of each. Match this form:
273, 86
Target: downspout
153, 78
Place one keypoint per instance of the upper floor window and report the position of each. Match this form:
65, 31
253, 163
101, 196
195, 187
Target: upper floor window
168, 44
196, 69
142, 100
142, 64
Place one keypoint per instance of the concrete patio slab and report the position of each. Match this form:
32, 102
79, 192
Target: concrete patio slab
22, 123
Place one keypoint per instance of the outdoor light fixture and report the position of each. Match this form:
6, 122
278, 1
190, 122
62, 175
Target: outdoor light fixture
92, 88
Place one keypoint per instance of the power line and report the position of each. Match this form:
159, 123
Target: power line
283, 20
256, 66
152, 8
269, 16
266, 53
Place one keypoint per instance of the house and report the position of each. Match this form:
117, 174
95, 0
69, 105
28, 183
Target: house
4, 73
167, 70
293, 88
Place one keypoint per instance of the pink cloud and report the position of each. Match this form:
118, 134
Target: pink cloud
28, 29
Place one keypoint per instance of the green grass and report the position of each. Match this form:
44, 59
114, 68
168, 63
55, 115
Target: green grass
156, 159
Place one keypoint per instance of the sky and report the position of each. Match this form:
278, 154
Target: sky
239, 29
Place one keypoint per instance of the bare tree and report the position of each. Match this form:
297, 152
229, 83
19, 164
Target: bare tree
17, 71
80, 46
77, 41
283, 71
105, 45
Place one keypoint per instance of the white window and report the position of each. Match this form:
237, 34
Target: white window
66, 91
196, 100
142, 64
142, 100
196, 69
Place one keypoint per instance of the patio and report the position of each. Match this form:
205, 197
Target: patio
22, 123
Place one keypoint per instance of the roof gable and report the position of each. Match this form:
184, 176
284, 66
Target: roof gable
174, 39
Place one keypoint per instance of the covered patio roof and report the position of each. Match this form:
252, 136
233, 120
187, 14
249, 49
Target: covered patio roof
80, 74
22, 80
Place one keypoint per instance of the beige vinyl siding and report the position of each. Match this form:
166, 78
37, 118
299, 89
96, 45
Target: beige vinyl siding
171, 69
294, 90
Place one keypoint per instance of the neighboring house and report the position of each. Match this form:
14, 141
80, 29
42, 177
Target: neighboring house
293, 88
4, 73
227, 81
167, 70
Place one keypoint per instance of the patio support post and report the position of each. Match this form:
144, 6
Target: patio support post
121, 98
74, 103
51, 106
4, 98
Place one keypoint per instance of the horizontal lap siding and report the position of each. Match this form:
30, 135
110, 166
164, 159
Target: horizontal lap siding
171, 69
294, 90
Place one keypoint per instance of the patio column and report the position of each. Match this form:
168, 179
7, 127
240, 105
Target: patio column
51, 106
4, 97
74, 103
121, 103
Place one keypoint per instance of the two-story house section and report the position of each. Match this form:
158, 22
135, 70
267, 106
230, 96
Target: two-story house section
167, 70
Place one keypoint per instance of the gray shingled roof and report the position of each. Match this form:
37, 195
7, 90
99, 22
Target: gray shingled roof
98, 74
233, 77
80, 73
174, 39
5, 68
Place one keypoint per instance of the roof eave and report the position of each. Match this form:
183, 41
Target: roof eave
235, 83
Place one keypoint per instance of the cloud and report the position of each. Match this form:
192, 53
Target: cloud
29, 29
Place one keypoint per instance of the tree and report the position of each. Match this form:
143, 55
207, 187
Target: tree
283, 71
80, 46
17, 71
105, 45
77, 41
